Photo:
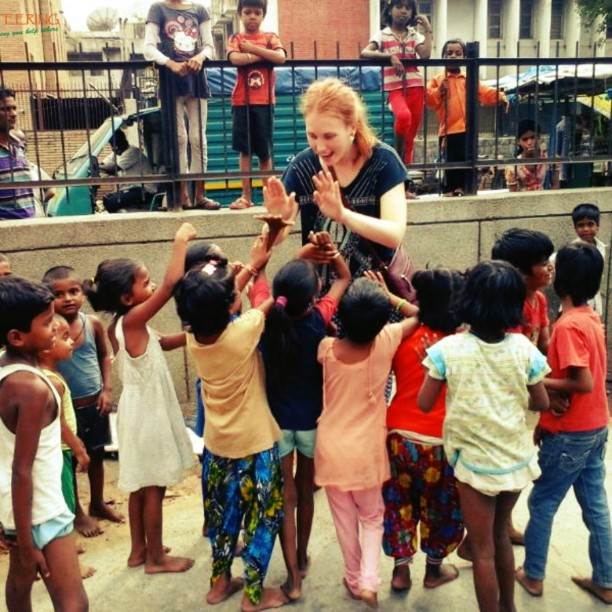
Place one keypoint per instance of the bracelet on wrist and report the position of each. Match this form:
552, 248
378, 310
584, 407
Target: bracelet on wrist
399, 305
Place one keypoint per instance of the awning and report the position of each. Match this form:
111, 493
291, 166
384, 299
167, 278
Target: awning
601, 103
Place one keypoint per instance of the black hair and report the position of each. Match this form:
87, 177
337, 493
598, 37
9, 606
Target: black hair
492, 298
437, 292
262, 4
119, 140
364, 311
21, 301
523, 248
578, 270
297, 282
585, 211
5, 92
201, 253
59, 273
114, 279
387, 5
203, 301
526, 125
454, 41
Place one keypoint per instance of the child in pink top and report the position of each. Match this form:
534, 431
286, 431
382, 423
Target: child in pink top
350, 457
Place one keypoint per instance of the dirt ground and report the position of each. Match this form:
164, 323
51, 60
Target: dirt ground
116, 588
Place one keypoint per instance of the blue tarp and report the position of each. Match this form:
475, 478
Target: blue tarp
296, 80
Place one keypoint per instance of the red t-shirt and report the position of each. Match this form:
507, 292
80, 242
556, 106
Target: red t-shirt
578, 341
535, 318
258, 78
404, 413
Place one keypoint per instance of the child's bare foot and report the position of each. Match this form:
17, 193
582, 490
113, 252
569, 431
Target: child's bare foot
168, 564
587, 584
270, 598
87, 571
350, 591
104, 511
463, 550
401, 580
534, 587
87, 526
222, 589
80, 549
370, 598
138, 557
292, 587
304, 567
437, 575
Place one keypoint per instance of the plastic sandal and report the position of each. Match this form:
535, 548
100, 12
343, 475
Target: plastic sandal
240, 204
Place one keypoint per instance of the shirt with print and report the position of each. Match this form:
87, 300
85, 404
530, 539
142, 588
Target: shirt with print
255, 82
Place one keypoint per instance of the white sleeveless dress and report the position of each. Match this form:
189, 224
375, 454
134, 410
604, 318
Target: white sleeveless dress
154, 448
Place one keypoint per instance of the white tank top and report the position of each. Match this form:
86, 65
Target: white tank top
48, 501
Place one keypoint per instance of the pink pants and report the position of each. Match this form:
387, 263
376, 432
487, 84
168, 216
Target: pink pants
407, 107
350, 509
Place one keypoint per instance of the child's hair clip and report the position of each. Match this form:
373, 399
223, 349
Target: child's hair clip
210, 268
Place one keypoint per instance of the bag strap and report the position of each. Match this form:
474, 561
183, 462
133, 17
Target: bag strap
346, 203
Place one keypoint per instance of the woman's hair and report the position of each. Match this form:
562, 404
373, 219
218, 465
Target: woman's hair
387, 5
364, 311
114, 279
294, 289
332, 96
201, 253
492, 298
437, 291
578, 270
454, 41
204, 298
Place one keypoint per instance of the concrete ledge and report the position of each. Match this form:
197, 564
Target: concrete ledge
454, 232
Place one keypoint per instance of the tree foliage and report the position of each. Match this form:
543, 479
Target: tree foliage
591, 10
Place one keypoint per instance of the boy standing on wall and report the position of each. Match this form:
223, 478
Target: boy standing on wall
253, 97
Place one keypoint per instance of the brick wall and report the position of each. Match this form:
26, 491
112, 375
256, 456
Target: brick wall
345, 21
45, 148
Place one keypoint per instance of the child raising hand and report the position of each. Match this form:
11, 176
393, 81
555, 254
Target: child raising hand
154, 446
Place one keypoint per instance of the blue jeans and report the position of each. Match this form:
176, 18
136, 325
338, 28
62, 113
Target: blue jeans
571, 460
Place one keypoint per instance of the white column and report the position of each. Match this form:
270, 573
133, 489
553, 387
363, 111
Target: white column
481, 30
270, 23
440, 26
573, 27
374, 12
510, 28
541, 26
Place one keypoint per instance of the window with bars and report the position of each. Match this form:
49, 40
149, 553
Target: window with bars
556, 21
526, 19
495, 18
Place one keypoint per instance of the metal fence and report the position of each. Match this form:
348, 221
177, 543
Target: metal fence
69, 110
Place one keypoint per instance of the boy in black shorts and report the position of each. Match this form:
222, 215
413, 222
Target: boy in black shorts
253, 97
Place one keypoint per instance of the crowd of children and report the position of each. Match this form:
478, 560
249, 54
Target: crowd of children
288, 405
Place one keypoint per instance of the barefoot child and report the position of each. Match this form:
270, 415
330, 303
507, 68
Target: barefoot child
72, 448
154, 446
572, 438
421, 495
492, 377
241, 467
89, 377
350, 457
295, 325
33, 512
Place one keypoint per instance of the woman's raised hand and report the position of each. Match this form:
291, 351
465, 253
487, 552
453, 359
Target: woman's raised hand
327, 196
277, 201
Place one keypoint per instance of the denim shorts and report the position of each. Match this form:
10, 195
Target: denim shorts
92, 427
52, 529
303, 441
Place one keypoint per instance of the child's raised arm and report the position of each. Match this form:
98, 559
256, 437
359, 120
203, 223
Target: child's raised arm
139, 315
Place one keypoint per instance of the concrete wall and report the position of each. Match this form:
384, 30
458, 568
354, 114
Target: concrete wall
455, 232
